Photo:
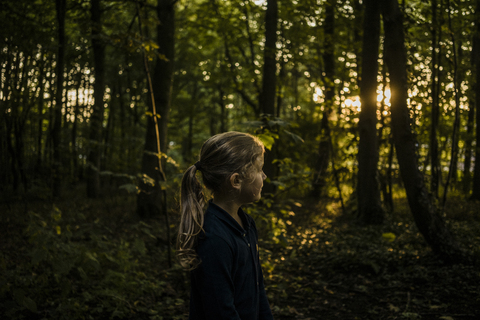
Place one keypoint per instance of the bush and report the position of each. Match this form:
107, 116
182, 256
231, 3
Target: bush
76, 269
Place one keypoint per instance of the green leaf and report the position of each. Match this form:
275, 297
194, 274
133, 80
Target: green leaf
147, 180
30, 304
129, 187
267, 140
390, 237
82, 273
150, 114
296, 138
139, 246
56, 213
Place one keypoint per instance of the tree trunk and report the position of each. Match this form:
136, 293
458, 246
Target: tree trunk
270, 65
96, 120
7, 166
123, 125
385, 176
73, 134
452, 170
324, 150
223, 110
13, 160
427, 219
57, 125
267, 97
42, 83
357, 32
369, 206
434, 163
109, 132
476, 89
467, 176
149, 201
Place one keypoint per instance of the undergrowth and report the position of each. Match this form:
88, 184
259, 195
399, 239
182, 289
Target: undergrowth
93, 259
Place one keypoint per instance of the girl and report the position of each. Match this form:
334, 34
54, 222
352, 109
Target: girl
220, 245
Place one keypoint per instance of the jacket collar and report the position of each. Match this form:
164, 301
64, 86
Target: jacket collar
228, 219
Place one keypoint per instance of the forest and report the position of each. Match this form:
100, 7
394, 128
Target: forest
368, 110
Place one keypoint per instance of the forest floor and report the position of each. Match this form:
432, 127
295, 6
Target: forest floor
93, 259
337, 270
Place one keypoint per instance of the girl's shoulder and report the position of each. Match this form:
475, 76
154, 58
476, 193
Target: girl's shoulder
214, 227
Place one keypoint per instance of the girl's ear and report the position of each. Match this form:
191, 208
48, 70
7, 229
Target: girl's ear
235, 181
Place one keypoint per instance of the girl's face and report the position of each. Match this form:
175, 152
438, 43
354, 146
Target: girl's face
251, 189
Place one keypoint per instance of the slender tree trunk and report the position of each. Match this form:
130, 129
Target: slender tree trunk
358, 9
109, 132
57, 125
476, 89
149, 201
13, 155
123, 125
281, 81
427, 219
41, 102
20, 111
385, 179
452, 171
369, 206
6, 161
74, 128
187, 143
324, 150
19, 129
48, 150
467, 176
223, 110
96, 120
389, 198
434, 163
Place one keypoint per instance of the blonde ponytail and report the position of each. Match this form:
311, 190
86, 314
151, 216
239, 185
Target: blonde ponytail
192, 202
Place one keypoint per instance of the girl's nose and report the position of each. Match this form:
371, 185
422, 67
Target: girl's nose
264, 175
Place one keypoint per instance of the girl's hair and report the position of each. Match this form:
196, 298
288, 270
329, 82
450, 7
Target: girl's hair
221, 156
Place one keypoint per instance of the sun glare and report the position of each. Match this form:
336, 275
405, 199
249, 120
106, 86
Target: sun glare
354, 103
318, 95
259, 2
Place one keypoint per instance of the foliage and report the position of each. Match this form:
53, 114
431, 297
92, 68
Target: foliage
218, 71
75, 265
84, 259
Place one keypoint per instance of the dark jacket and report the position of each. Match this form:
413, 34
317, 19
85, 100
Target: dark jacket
228, 283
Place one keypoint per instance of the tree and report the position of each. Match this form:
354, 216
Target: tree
368, 193
149, 202
324, 147
476, 88
96, 120
57, 126
268, 94
267, 97
434, 161
427, 219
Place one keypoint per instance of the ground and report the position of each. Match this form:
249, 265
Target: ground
94, 259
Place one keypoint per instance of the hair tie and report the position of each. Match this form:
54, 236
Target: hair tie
198, 165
